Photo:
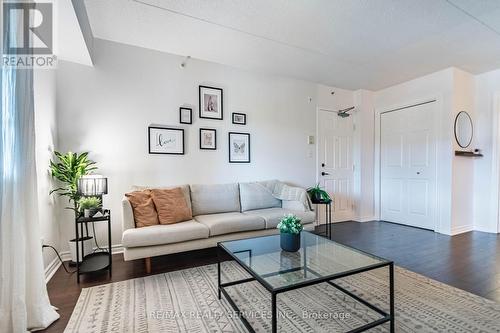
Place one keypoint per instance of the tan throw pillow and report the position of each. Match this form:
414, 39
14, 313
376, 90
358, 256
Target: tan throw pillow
143, 207
171, 205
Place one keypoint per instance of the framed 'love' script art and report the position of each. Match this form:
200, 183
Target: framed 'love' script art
164, 140
239, 147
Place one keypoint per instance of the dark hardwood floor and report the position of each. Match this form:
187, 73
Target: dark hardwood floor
469, 261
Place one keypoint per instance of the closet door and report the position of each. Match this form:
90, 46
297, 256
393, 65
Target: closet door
408, 166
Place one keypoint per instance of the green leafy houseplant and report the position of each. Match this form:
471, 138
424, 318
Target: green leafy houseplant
68, 168
89, 203
290, 228
290, 224
317, 194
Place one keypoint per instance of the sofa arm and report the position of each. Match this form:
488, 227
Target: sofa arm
128, 221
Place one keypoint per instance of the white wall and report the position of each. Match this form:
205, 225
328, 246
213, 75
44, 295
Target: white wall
437, 86
106, 110
463, 177
454, 91
364, 174
486, 138
46, 138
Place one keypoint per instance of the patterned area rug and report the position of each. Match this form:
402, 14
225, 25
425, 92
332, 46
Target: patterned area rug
186, 301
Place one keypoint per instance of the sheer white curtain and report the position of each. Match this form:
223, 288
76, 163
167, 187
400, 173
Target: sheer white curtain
24, 303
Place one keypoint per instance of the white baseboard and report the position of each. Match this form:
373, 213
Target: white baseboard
461, 230
115, 249
51, 269
365, 219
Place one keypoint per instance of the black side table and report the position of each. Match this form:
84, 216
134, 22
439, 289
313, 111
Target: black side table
99, 260
328, 215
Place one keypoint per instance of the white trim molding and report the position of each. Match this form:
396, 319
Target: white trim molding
51, 269
461, 230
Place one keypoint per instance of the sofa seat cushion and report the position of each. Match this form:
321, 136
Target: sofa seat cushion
272, 216
226, 223
164, 234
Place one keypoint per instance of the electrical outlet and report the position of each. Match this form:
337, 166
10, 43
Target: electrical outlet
42, 241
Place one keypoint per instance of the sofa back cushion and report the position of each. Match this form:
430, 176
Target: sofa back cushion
257, 195
143, 208
184, 188
212, 199
171, 205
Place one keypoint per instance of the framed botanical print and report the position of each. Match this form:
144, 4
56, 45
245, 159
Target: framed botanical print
208, 139
163, 140
239, 147
186, 115
211, 102
239, 118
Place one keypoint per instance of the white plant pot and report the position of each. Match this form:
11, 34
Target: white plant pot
87, 248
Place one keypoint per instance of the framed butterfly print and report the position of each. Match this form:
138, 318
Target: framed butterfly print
239, 147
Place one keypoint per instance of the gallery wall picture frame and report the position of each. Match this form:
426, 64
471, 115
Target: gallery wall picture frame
185, 115
239, 147
165, 140
211, 103
239, 118
208, 139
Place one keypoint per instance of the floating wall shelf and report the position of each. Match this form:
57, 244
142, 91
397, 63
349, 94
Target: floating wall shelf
467, 153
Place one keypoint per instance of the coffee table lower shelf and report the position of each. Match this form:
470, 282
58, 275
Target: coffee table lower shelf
386, 317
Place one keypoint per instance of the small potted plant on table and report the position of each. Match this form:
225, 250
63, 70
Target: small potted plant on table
290, 228
318, 195
89, 206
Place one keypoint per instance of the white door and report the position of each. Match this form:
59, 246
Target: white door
408, 166
335, 166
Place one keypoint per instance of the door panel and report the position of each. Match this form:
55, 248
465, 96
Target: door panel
408, 166
335, 160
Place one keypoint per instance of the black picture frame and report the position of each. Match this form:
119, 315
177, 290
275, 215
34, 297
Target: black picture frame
150, 128
181, 109
215, 138
231, 160
239, 114
200, 103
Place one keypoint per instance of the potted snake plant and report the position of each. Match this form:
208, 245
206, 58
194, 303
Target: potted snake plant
290, 229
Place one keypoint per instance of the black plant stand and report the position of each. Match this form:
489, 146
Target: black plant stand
328, 215
99, 260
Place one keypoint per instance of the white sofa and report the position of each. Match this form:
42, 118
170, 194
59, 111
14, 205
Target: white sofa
221, 212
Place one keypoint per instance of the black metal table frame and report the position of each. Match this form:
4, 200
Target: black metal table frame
79, 236
387, 317
328, 216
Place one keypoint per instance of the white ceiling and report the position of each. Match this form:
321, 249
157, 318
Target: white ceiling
353, 44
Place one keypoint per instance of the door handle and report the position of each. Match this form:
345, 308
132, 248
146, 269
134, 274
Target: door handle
324, 173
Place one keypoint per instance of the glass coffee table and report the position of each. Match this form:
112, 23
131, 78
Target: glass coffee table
319, 260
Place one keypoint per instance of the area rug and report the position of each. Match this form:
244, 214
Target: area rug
186, 301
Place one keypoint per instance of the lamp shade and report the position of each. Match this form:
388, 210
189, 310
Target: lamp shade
92, 185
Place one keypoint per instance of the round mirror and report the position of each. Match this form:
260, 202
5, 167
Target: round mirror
463, 129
